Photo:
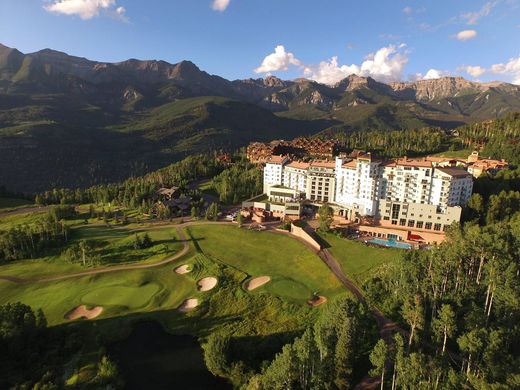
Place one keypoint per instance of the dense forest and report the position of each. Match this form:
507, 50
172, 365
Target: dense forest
133, 191
398, 142
33, 356
498, 139
238, 182
459, 303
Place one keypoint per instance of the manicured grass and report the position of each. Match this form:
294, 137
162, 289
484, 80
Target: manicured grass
119, 293
357, 260
113, 245
13, 202
296, 273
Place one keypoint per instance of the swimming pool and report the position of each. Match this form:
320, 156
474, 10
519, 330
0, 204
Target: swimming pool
390, 243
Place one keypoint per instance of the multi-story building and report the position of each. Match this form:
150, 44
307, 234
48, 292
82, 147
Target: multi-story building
273, 171
415, 197
295, 175
450, 187
357, 185
407, 180
321, 181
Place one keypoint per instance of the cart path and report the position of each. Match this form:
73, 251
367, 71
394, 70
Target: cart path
185, 249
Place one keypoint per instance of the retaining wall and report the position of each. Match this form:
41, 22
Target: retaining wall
301, 233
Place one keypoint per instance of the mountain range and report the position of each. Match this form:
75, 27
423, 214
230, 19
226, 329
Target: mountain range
70, 121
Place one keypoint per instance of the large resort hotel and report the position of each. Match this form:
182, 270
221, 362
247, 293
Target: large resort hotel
413, 200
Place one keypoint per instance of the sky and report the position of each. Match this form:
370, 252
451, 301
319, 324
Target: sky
323, 40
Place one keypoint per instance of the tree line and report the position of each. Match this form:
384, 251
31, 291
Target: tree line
330, 354
35, 356
134, 191
31, 240
396, 143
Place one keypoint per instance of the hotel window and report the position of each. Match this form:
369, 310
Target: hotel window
411, 223
437, 227
419, 225
386, 218
395, 211
428, 225
402, 222
394, 222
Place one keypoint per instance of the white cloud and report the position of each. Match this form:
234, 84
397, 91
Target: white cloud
407, 10
86, 9
466, 35
474, 71
510, 68
220, 5
279, 60
435, 74
386, 64
472, 18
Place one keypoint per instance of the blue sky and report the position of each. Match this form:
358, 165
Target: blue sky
324, 40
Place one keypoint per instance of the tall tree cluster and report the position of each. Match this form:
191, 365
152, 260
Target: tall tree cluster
460, 306
398, 142
240, 181
498, 139
331, 354
31, 240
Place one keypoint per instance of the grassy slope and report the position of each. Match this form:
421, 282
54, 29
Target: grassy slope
113, 245
357, 260
295, 272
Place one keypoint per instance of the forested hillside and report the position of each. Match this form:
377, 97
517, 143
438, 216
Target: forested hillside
84, 122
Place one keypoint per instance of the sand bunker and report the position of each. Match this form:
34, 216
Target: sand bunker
183, 269
207, 284
257, 282
188, 304
316, 301
83, 312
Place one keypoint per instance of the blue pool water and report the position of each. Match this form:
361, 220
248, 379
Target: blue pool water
390, 243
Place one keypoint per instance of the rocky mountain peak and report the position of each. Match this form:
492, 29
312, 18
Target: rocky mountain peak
437, 88
273, 81
352, 82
